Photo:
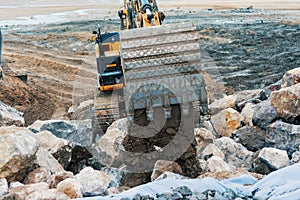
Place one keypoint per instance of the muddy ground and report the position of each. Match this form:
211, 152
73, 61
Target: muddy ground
241, 48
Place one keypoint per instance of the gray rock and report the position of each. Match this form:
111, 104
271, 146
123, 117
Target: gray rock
270, 159
184, 191
169, 196
77, 132
252, 138
84, 130
73, 157
10, 116
229, 194
236, 154
115, 176
83, 111
209, 127
266, 92
283, 136
264, 114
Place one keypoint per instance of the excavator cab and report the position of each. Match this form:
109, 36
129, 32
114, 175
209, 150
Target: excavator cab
107, 49
140, 13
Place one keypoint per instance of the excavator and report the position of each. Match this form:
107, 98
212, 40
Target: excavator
151, 74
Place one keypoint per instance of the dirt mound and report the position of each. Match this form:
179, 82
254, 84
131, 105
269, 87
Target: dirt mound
34, 102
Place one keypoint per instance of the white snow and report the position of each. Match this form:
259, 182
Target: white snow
281, 184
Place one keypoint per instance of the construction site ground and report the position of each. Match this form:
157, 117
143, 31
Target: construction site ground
243, 47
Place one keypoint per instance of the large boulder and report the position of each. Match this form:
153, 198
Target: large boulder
38, 175
60, 148
58, 177
203, 138
226, 121
83, 111
247, 114
287, 102
46, 160
266, 92
50, 194
246, 95
162, 166
221, 104
10, 116
71, 187
253, 138
270, 159
105, 148
17, 153
264, 114
236, 155
209, 151
50, 142
283, 136
77, 132
291, 77
36, 191
217, 164
93, 182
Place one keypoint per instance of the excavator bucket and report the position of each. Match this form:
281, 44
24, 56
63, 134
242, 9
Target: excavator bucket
162, 67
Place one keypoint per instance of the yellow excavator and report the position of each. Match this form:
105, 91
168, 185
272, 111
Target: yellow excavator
134, 14
151, 74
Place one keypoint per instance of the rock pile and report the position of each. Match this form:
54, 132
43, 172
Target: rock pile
250, 132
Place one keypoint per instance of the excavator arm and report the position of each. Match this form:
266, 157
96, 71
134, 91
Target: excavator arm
163, 91
140, 13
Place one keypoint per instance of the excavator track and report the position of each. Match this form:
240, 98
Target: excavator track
106, 110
